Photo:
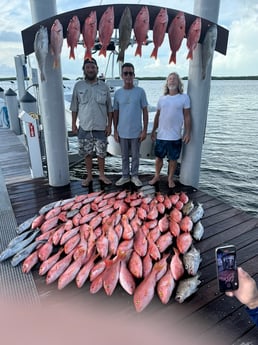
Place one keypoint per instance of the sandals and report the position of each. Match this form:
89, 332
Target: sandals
86, 183
154, 181
105, 181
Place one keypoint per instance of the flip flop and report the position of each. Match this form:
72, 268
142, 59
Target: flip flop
86, 183
105, 181
153, 181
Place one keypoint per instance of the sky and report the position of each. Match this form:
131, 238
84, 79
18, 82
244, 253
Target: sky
240, 17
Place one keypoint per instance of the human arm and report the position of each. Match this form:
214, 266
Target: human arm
115, 123
109, 123
187, 126
247, 293
145, 123
155, 125
74, 120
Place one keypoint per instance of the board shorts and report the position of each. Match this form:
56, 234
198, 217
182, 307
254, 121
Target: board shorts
92, 142
168, 148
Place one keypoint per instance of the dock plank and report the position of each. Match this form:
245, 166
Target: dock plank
208, 311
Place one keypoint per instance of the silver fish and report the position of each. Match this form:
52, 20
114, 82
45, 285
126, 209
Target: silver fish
44, 209
25, 225
188, 207
41, 49
125, 29
72, 213
208, 47
20, 238
197, 213
61, 203
186, 288
25, 252
198, 231
11, 251
192, 260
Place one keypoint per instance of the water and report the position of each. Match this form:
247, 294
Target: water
229, 165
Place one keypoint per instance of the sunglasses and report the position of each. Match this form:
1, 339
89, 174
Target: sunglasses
128, 73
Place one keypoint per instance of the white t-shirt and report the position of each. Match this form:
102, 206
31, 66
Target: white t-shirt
171, 118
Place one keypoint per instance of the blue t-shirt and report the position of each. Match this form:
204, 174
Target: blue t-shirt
130, 103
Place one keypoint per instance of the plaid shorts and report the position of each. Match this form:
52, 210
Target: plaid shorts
92, 142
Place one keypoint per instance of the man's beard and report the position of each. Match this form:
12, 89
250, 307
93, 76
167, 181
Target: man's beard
91, 76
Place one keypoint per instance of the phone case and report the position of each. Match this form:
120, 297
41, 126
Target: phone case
226, 268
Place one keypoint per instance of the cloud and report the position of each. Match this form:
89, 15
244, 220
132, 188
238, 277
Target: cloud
241, 58
9, 36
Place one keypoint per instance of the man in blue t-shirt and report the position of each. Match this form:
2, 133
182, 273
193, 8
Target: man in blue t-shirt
130, 124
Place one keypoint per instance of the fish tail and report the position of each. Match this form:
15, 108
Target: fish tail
190, 55
56, 63
154, 53
72, 56
138, 50
87, 54
103, 51
173, 58
121, 56
42, 76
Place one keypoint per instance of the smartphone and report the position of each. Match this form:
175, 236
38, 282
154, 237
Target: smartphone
226, 268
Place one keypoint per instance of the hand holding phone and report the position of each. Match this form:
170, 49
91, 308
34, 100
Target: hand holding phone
226, 268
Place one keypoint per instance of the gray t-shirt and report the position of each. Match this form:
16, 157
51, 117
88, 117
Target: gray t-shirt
130, 103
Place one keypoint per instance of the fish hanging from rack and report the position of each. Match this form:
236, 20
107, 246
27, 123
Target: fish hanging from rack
56, 41
208, 47
159, 30
73, 35
193, 36
176, 33
89, 33
106, 28
41, 50
125, 30
141, 28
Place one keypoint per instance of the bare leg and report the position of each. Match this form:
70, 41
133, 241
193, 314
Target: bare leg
102, 177
171, 170
158, 167
88, 163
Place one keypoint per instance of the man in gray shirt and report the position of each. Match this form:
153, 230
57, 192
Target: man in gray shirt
91, 105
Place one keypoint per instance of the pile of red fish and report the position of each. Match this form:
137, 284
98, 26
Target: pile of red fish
143, 242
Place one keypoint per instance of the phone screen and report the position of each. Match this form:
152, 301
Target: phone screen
227, 268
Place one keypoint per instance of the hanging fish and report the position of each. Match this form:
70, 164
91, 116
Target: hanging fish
141, 28
125, 29
159, 30
176, 33
41, 50
106, 27
208, 47
56, 41
73, 35
193, 36
89, 33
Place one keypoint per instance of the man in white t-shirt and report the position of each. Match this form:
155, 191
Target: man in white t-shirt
172, 117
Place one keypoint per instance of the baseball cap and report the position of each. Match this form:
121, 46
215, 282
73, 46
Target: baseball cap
92, 60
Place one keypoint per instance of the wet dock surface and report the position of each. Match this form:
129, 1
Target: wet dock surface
209, 312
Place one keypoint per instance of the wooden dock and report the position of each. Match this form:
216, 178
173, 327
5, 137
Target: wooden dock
211, 314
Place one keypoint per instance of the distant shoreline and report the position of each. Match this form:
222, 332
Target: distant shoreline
255, 77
